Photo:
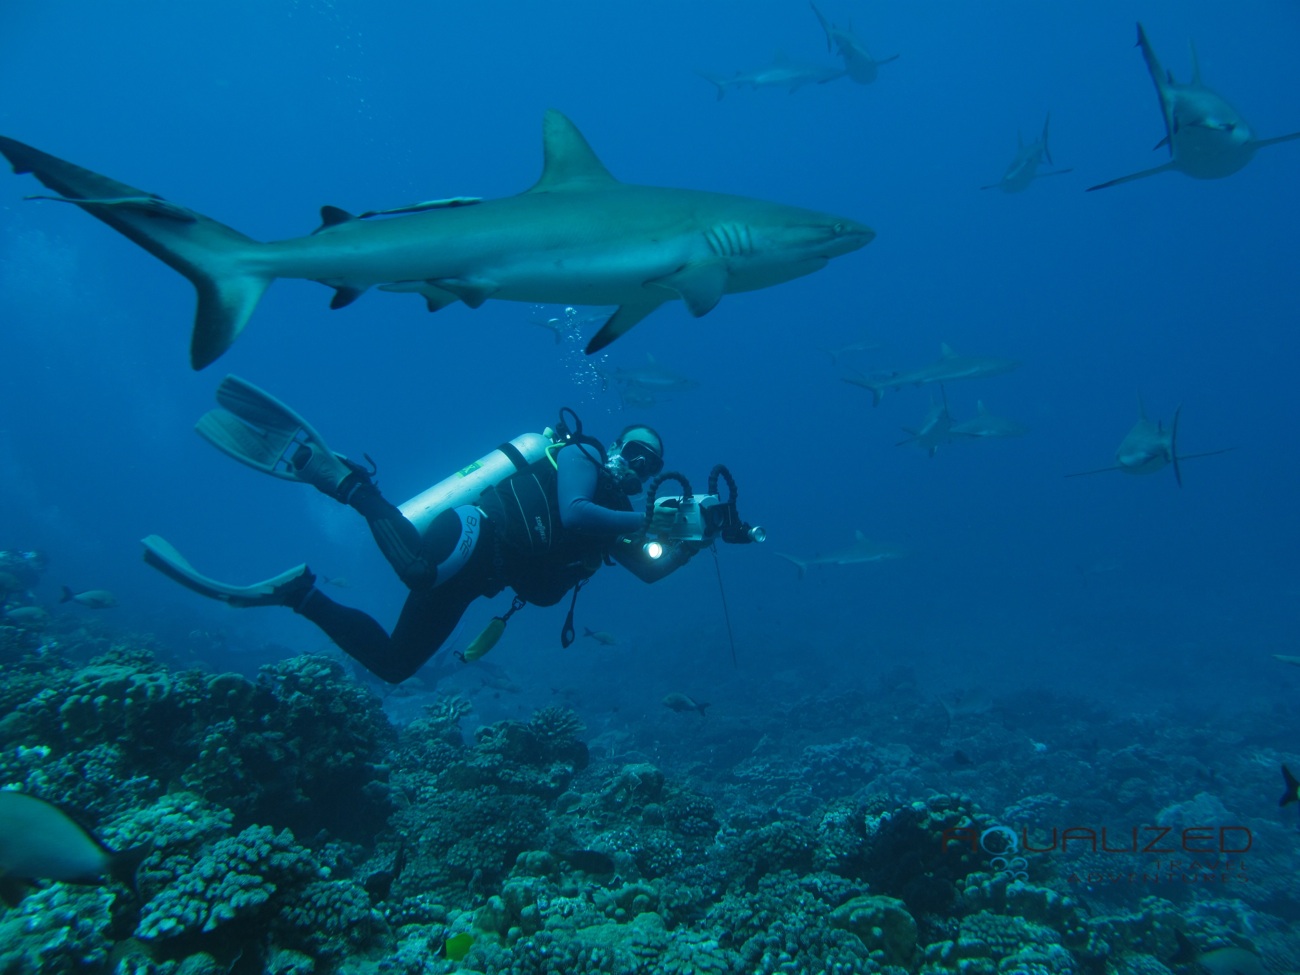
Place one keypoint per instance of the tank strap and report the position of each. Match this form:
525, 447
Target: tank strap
471, 528
516, 458
568, 633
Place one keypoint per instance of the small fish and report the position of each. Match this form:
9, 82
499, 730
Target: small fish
458, 945
1292, 793
600, 636
1220, 961
93, 598
339, 581
38, 841
680, 703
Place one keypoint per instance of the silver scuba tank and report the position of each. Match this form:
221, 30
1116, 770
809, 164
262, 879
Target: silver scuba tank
468, 483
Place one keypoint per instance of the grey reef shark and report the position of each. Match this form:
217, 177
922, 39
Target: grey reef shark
1207, 137
858, 63
862, 551
781, 73
950, 367
935, 431
1024, 168
577, 237
1148, 447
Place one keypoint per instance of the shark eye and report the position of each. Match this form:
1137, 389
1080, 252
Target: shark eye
837, 228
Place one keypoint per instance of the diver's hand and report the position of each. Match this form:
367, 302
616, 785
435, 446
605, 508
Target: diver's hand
662, 521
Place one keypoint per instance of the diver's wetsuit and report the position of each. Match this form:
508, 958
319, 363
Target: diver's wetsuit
543, 531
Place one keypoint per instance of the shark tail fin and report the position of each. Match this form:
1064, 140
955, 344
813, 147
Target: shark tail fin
1173, 447
799, 564
210, 254
1047, 152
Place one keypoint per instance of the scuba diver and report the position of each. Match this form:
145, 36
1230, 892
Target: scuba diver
539, 514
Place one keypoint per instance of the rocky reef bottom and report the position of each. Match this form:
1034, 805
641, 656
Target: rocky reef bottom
294, 828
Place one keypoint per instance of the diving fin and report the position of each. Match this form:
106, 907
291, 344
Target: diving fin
286, 589
257, 429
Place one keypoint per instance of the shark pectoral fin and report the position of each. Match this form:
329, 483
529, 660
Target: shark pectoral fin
344, 296
700, 286
1260, 143
1132, 176
472, 291
332, 217
623, 319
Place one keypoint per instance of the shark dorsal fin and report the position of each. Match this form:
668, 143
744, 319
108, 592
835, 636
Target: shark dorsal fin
946, 351
568, 162
332, 217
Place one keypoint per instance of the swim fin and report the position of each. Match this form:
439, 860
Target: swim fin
286, 589
256, 429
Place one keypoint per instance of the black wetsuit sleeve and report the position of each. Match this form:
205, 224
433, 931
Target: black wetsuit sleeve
576, 486
628, 552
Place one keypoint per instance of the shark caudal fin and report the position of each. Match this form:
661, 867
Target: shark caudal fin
209, 253
799, 564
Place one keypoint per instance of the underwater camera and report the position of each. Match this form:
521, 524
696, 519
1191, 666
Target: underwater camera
696, 520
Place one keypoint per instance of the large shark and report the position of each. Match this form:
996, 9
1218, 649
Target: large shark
858, 63
861, 551
1148, 447
577, 237
781, 73
1206, 136
950, 366
1024, 168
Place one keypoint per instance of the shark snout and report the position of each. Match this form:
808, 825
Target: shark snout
845, 236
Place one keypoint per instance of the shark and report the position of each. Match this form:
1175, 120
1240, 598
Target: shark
858, 63
1024, 168
862, 550
950, 366
935, 431
781, 73
578, 236
1148, 447
984, 425
645, 382
1207, 138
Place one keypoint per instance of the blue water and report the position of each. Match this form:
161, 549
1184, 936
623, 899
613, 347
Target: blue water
257, 113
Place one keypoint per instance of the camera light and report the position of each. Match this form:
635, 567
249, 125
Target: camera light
653, 549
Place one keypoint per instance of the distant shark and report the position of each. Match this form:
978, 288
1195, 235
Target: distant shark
984, 425
860, 65
639, 386
577, 237
1206, 136
862, 550
781, 73
950, 366
1024, 168
936, 429
1149, 447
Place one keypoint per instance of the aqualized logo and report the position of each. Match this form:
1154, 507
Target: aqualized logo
1136, 855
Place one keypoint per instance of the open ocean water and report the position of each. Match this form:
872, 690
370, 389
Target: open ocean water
1036, 724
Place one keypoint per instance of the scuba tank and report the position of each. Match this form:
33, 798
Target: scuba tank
465, 486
